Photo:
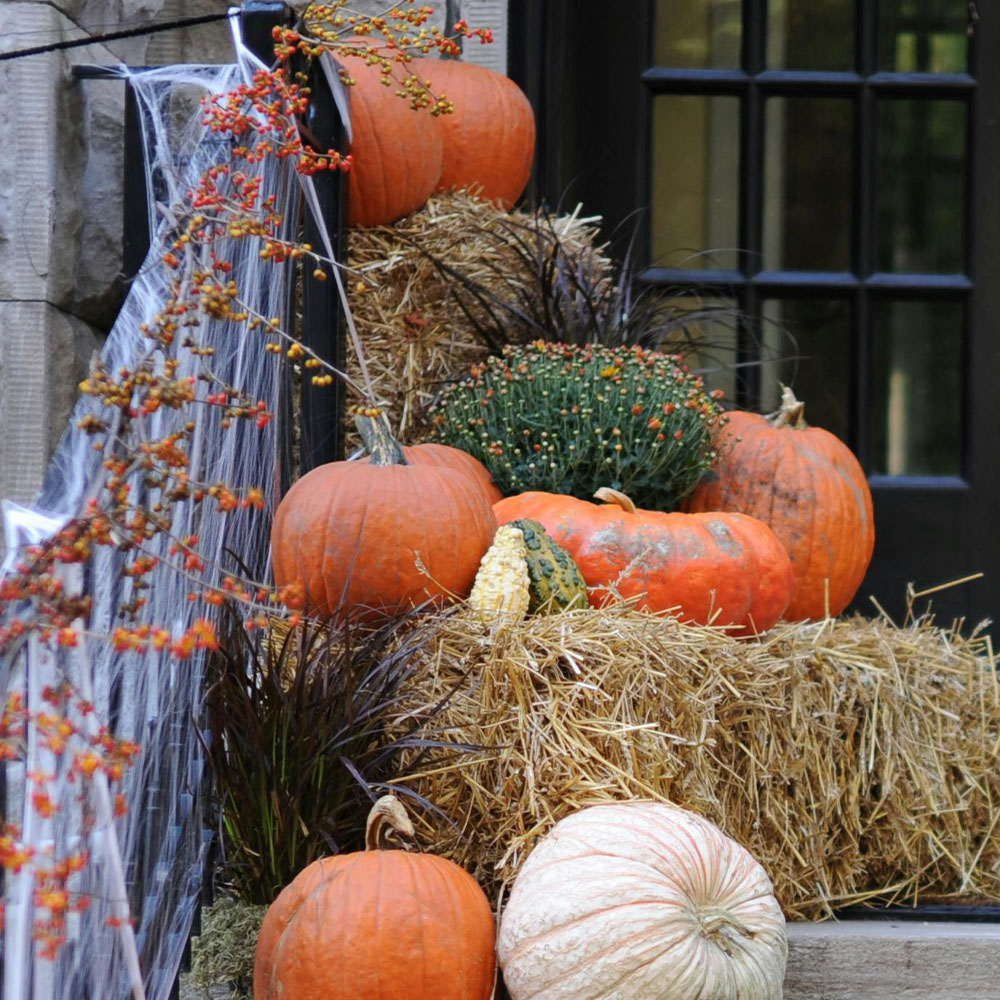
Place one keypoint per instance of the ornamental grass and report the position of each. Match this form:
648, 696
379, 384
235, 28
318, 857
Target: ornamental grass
857, 760
300, 746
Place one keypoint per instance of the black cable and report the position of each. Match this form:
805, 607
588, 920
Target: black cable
111, 36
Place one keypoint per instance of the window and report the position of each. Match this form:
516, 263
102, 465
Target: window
811, 158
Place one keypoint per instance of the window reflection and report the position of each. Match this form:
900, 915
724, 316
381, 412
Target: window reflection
695, 182
808, 346
810, 34
698, 34
706, 333
808, 184
923, 36
921, 185
918, 386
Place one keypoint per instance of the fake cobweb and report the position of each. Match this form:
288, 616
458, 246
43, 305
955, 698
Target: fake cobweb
149, 698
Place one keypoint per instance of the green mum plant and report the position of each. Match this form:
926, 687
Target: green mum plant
570, 418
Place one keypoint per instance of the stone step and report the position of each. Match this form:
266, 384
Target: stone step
893, 960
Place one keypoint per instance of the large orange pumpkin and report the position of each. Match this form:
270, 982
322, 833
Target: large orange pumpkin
397, 151
806, 484
378, 925
489, 139
381, 535
723, 569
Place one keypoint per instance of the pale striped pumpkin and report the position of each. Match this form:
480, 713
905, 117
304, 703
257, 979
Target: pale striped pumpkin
641, 901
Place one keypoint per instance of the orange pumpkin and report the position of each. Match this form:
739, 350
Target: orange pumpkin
806, 484
382, 535
489, 139
723, 569
445, 456
397, 151
378, 925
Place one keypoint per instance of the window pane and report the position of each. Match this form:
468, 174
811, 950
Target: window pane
695, 181
918, 388
698, 34
810, 34
923, 36
921, 185
705, 330
807, 184
807, 345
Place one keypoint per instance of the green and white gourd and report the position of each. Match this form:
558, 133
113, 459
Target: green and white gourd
525, 572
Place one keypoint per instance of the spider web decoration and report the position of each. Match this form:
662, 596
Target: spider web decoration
149, 698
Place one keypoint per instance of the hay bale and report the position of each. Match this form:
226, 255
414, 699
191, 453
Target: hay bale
855, 760
222, 954
410, 316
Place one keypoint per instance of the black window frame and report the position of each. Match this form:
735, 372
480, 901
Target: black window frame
862, 285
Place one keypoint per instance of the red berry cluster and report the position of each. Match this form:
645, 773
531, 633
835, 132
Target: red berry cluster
89, 750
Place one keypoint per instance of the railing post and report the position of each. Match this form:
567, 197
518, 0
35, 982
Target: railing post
321, 411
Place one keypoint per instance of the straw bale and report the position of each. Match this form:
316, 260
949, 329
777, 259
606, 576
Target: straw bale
414, 333
856, 760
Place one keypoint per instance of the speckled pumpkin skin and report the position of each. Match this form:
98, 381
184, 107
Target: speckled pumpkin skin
722, 569
378, 925
808, 487
556, 583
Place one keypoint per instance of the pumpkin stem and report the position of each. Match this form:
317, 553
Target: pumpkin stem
791, 413
607, 495
377, 437
718, 926
387, 820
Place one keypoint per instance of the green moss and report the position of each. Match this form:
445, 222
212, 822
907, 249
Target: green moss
222, 955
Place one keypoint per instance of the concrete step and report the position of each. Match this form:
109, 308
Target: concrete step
893, 960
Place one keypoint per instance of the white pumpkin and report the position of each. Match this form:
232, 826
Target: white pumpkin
641, 901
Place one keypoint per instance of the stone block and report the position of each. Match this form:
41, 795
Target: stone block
29, 118
44, 353
202, 43
60, 174
93, 184
886, 960
490, 14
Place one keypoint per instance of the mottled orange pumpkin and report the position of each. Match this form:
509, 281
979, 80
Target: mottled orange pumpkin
723, 569
397, 151
445, 456
378, 925
806, 484
380, 535
489, 139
